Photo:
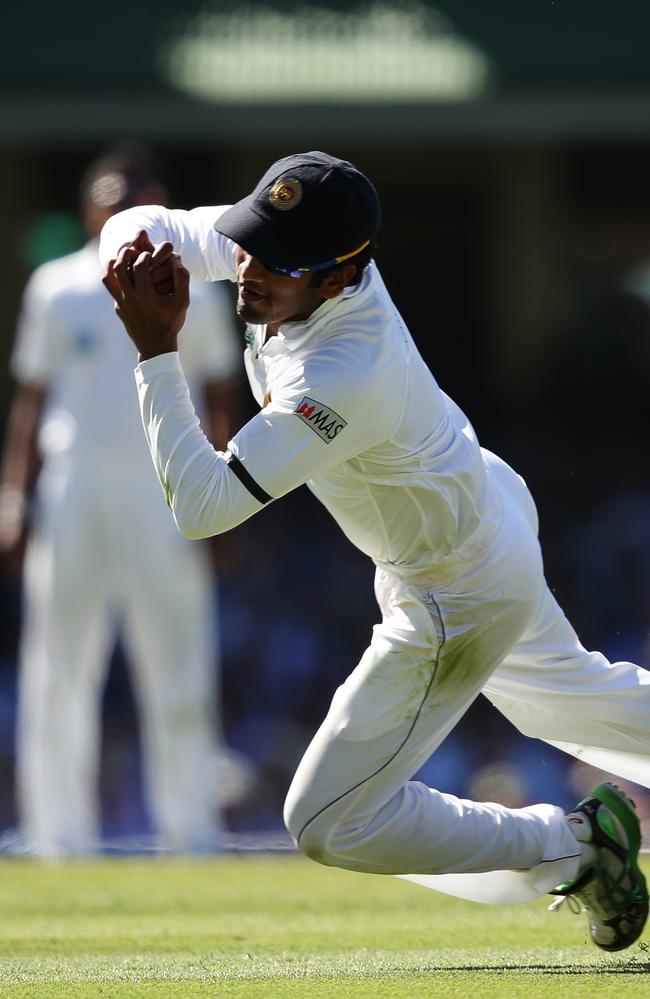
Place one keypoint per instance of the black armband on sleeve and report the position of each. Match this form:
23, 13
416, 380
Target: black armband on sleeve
247, 480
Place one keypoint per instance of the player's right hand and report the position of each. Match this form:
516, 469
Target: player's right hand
161, 260
162, 268
152, 320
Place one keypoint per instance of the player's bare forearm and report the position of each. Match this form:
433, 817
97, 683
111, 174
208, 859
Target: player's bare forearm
151, 293
20, 463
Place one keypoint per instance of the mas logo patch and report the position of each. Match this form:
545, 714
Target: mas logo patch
322, 420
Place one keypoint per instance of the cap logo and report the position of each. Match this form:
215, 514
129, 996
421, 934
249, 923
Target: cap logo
286, 193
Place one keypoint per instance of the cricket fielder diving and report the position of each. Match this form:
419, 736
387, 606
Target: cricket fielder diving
349, 407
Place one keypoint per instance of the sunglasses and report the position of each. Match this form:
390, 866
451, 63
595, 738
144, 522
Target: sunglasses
297, 272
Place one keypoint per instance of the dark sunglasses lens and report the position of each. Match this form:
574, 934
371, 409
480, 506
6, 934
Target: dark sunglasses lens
286, 271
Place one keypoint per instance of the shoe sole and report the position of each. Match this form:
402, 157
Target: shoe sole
622, 808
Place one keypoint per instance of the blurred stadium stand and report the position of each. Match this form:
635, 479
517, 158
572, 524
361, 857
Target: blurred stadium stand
511, 145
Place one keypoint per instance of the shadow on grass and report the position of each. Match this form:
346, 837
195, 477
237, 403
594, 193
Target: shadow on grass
632, 967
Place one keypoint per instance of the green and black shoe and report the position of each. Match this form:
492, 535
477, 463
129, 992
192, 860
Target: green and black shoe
613, 892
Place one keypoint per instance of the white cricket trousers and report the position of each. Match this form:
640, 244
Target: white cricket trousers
497, 630
105, 553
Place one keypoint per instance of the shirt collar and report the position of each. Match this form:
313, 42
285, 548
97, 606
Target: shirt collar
294, 336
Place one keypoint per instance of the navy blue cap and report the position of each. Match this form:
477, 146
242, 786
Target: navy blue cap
309, 211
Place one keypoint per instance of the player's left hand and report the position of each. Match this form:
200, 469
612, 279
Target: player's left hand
151, 293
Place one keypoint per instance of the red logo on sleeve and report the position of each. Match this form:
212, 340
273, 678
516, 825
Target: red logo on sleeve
321, 419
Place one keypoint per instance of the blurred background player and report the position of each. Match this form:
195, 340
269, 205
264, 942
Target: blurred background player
102, 552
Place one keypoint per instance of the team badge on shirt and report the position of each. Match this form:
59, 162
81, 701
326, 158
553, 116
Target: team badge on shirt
84, 342
322, 419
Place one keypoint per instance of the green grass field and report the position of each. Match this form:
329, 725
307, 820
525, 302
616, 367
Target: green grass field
276, 927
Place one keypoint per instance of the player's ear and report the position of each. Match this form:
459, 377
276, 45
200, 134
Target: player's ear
335, 282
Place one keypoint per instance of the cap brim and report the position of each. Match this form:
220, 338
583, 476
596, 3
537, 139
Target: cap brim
250, 230
276, 240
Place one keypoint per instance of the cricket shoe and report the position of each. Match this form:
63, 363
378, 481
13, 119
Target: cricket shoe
613, 890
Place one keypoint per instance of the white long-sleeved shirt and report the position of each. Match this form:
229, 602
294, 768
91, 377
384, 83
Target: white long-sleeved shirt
348, 407
70, 341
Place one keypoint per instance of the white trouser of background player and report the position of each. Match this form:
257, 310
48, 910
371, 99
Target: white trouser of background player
105, 550
498, 629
